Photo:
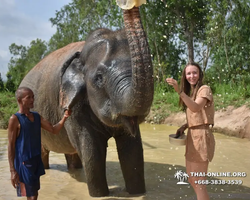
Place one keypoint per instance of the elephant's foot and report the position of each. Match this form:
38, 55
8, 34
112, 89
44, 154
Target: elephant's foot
95, 173
73, 161
45, 157
98, 190
138, 189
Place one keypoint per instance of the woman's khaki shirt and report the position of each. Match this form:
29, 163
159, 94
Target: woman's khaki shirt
206, 114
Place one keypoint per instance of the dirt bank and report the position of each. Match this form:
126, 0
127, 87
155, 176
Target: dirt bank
230, 121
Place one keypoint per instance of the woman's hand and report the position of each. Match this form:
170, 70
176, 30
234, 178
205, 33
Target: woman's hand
174, 83
180, 131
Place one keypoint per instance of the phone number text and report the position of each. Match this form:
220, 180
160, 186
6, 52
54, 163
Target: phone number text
219, 182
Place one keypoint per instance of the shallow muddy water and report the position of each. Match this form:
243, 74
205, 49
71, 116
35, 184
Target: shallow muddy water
162, 161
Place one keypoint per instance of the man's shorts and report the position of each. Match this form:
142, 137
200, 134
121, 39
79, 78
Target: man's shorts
29, 175
28, 190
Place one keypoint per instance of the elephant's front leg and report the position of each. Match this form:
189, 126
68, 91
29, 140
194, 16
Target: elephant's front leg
94, 162
130, 153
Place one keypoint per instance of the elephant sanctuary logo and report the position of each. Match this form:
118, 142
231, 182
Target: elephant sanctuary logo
181, 176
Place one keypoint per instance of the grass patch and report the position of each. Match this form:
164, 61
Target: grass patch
8, 106
228, 95
165, 102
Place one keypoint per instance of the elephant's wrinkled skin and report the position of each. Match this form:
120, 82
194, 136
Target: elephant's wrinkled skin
108, 84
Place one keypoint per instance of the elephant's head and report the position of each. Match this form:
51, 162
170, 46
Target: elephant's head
115, 71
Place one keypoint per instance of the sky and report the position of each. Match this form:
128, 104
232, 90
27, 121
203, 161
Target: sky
22, 21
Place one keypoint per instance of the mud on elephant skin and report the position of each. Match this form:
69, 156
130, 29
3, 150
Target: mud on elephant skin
107, 81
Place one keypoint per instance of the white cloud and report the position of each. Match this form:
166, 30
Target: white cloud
3, 53
22, 21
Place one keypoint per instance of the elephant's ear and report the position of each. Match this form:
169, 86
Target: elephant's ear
72, 83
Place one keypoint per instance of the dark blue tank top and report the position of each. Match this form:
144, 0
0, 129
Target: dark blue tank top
28, 143
28, 162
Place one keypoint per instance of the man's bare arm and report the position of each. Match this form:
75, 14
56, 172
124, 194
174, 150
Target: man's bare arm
13, 129
57, 127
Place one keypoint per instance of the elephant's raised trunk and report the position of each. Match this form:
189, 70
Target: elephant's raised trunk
139, 95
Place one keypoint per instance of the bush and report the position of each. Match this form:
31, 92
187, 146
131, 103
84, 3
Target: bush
8, 106
165, 102
230, 94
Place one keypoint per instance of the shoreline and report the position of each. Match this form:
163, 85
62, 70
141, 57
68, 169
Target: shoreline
230, 121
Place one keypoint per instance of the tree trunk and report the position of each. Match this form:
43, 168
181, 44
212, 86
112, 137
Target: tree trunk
190, 45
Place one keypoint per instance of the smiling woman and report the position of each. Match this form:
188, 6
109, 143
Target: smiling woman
197, 100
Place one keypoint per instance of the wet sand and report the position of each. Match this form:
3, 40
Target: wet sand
162, 161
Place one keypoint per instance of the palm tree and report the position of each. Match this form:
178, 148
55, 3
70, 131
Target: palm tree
178, 174
185, 176
181, 176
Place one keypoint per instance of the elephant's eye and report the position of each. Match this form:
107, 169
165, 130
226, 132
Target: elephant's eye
99, 80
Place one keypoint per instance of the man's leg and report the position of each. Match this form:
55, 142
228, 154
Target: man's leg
32, 191
33, 197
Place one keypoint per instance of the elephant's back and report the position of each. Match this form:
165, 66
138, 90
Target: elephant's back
49, 68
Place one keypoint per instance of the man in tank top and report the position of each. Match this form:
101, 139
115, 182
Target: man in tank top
24, 147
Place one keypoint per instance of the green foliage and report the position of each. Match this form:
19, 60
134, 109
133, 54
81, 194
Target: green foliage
165, 49
8, 106
226, 95
189, 19
228, 34
1, 84
77, 19
23, 59
165, 102
10, 85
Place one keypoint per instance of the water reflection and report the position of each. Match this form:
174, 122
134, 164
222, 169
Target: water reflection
162, 160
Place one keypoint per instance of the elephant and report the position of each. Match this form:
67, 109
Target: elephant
107, 82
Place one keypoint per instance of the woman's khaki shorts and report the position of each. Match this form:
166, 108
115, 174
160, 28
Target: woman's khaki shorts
200, 144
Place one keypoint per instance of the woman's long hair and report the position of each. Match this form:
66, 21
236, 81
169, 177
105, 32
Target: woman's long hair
186, 87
